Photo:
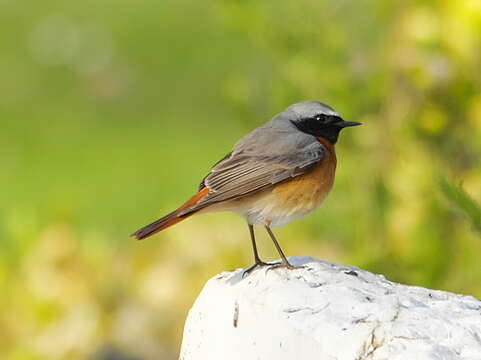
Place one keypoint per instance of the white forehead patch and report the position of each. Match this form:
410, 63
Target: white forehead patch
312, 108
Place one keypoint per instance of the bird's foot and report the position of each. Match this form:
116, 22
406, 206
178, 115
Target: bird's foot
284, 265
258, 264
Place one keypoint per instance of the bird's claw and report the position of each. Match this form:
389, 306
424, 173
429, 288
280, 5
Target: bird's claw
285, 265
271, 266
258, 264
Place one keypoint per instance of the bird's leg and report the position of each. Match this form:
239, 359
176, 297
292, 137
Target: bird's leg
284, 263
258, 261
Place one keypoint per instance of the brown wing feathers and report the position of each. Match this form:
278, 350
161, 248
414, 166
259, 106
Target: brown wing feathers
239, 175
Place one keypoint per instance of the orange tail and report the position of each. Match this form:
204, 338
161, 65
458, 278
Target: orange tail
169, 219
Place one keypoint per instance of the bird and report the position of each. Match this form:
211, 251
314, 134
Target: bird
277, 173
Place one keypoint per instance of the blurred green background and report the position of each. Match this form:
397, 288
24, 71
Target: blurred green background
112, 111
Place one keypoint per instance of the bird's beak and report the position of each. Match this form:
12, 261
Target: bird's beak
348, 123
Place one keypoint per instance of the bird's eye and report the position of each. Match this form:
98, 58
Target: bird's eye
318, 118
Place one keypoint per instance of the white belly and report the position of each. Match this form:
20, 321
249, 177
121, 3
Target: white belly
268, 208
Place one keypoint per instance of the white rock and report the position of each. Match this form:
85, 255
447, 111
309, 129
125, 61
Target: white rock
328, 311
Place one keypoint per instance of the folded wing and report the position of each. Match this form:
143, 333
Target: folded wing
241, 173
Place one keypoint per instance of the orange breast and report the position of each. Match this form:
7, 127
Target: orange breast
305, 192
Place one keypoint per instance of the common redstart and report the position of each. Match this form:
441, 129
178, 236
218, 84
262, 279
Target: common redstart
279, 172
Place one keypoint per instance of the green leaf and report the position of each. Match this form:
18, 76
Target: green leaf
462, 201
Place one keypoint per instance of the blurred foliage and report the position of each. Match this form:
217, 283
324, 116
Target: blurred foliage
462, 201
111, 112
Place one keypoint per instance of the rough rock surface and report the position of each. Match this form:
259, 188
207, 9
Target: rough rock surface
328, 311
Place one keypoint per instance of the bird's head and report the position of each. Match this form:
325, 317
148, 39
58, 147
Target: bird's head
318, 119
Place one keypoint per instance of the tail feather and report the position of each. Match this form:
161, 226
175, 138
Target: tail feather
158, 225
170, 219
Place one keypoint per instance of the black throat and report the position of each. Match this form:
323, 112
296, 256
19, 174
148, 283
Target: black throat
331, 133
313, 127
